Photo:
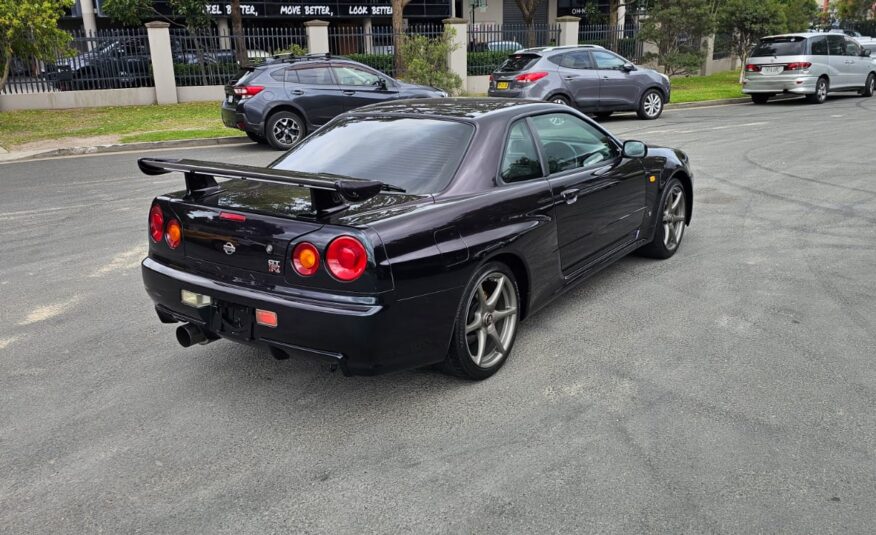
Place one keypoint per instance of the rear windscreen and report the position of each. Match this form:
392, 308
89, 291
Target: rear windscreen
418, 155
780, 46
518, 62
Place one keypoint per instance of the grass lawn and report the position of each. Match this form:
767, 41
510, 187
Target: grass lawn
712, 87
130, 123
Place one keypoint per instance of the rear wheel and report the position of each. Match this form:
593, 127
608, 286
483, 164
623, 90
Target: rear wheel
870, 86
651, 105
284, 129
820, 95
760, 98
257, 138
486, 323
670, 222
559, 99
603, 114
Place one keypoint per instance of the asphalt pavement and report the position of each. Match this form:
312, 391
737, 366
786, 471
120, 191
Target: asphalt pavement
731, 388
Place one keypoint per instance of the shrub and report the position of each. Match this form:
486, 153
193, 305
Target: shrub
480, 63
293, 50
381, 62
425, 61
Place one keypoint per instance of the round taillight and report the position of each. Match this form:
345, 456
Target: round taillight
156, 223
346, 258
305, 259
173, 234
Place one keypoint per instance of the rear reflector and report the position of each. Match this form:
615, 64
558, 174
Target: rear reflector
228, 216
266, 318
195, 300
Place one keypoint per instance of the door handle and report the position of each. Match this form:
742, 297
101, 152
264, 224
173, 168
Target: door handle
348, 93
297, 92
570, 195
570, 77
605, 77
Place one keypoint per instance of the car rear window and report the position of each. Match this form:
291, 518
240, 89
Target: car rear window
518, 62
780, 46
419, 155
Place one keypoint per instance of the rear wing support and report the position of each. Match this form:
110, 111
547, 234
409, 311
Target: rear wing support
328, 194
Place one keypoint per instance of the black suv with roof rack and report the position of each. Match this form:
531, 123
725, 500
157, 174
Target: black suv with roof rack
281, 101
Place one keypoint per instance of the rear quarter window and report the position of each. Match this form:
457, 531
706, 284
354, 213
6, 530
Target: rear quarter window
518, 62
780, 46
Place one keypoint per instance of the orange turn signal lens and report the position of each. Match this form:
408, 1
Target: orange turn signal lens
266, 318
305, 259
173, 234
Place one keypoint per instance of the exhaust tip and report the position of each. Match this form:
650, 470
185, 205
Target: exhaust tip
188, 335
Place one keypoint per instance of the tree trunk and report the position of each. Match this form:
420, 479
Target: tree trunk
7, 61
237, 30
398, 63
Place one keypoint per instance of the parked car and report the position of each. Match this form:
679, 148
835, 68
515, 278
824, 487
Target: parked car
495, 46
810, 64
588, 77
408, 233
111, 64
280, 102
227, 56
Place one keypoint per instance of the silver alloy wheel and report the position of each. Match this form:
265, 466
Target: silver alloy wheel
287, 131
491, 321
872, 84
673, 218
653, 104
821, 91
560, 100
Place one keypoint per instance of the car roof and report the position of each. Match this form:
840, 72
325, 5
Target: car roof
800, 34
556, 49
454, 108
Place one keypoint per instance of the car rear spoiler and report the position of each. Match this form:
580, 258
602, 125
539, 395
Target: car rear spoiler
329, 194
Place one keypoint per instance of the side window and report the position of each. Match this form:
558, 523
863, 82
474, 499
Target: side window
292, 76
607, 60
836, 44
578, 59
818, 46
852, 48
315, 76
568, 142
346, 75
520, 161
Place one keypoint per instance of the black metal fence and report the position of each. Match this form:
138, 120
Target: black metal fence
208, 58
374, 47
107, 59
623, 40
490, 44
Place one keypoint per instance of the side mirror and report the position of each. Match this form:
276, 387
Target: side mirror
628, 67
635, 149
381, 84
865, 52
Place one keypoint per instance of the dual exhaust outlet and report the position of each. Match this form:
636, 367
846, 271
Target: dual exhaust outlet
190, 334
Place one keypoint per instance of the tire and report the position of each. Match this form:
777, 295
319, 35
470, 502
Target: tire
870, 86
650, 105
559, 99
669, 229
760, 98
476, 355
257, 138
603, 114
284, 130
822, 86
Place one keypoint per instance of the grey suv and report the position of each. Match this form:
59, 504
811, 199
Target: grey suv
810, 64
281, 101
591, 78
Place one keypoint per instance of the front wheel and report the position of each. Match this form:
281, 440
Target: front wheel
820, 95
870, 86
651, 105
284, 129
670, 222
486, 323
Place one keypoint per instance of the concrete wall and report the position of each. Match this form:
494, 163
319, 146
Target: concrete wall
203, 93
477, 85
78, 99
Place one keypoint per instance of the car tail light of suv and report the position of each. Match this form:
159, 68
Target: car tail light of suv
530, 77
752, 68
248, 91
798, 66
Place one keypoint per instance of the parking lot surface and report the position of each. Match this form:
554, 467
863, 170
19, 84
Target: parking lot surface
731, 388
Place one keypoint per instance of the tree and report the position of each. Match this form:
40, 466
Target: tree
398, 35
800, 15
237, 32
677, 28
746, 21
29, 29
527, 9
854, 10
426, 61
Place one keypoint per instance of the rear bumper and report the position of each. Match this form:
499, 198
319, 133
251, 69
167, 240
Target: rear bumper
233, 117
801, 85
364, 335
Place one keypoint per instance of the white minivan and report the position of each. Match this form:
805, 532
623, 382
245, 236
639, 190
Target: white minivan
810, 64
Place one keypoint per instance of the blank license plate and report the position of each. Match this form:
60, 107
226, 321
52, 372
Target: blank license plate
772, 69
501, 85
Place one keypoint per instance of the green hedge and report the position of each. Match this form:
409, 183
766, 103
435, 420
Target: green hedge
381, 62
627, 47
480, 63
193, 74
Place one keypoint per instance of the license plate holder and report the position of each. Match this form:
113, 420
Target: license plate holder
233, 320
772, 69
501, 85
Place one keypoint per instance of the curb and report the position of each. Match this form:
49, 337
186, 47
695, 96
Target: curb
124, 147
707, 103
